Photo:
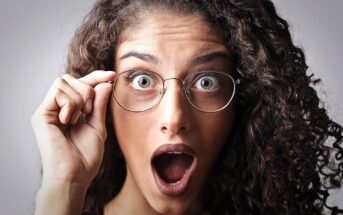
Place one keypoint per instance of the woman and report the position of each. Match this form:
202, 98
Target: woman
209, 111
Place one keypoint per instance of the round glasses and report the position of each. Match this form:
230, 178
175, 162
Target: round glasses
140, 90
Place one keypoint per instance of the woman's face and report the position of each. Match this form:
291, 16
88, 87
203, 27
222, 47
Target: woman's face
170, 148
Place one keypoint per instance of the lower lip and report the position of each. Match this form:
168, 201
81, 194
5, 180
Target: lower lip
177, 188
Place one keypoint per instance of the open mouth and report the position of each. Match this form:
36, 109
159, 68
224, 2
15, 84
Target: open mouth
172, 167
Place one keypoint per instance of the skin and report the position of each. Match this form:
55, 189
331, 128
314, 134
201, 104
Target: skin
72, 149
165, 34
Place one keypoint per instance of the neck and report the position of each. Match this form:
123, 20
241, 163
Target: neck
129, 200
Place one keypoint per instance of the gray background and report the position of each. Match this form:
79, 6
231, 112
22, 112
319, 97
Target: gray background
34, 36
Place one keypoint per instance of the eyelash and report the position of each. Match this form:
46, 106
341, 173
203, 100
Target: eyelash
135, 72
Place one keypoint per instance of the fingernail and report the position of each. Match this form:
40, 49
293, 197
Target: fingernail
89, 104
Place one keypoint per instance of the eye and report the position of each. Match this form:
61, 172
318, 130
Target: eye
207, 82
141, 80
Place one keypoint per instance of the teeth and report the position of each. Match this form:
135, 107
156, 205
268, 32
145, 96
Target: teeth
178, 182
176, 153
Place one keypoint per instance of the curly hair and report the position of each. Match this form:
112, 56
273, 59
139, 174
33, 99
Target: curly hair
284, 153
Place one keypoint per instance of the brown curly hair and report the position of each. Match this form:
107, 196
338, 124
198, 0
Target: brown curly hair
284, 153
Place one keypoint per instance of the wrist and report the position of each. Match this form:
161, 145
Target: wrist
68, 190
60, 198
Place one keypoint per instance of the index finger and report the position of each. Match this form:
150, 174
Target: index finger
98, 76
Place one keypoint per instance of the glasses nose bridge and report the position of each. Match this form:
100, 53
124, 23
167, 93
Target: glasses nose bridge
178, 79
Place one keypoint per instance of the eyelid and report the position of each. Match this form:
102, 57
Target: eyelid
132, 73
214, 71
137, 71
140, 70
205, 72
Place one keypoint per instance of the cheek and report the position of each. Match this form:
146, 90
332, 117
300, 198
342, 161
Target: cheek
214, 131
130, 129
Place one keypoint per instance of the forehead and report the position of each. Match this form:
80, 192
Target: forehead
170, 31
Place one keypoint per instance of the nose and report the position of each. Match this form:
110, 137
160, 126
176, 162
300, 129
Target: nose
174, 109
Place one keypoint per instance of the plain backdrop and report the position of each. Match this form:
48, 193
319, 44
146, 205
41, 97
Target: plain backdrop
34, 38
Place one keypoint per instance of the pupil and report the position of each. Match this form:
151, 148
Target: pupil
206, 83
143, 82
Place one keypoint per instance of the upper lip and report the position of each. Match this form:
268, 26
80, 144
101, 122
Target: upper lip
173, 148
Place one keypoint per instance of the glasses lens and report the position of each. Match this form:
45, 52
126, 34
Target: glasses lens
138, 90
209, 91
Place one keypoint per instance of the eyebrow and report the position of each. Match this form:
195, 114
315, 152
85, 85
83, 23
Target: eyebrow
210, 57
198, 60
143, 56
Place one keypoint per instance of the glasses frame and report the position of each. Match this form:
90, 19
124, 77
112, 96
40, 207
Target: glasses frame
183, 88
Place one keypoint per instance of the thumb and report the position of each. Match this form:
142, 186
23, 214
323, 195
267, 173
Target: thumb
97, 117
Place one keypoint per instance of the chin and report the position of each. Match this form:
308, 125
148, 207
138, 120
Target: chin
172, 207
184, 204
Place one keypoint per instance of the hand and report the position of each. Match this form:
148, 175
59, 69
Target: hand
71, 150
